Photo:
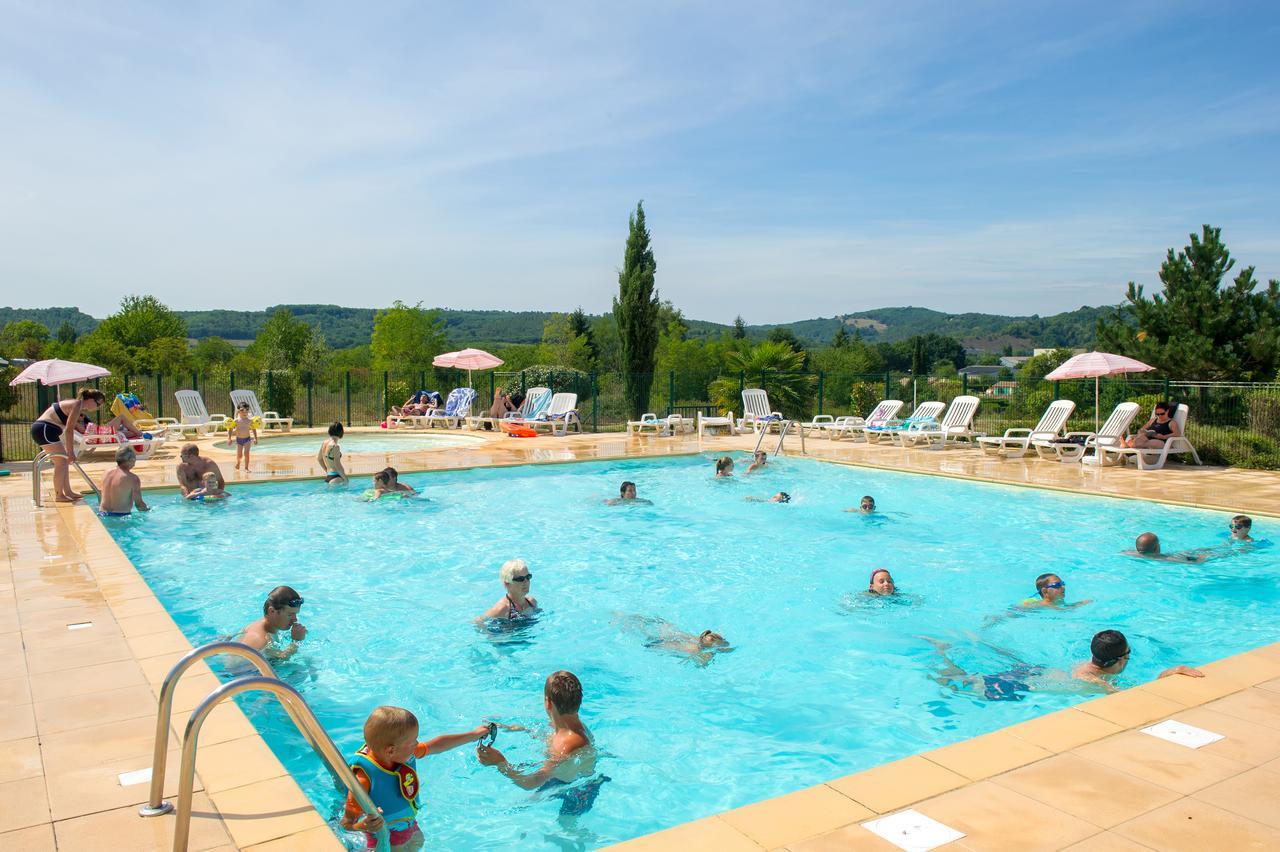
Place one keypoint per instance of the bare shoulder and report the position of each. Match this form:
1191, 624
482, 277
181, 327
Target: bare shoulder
566, 743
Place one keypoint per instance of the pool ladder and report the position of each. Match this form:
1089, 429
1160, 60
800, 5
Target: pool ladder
783, 427
265, 681
41, 458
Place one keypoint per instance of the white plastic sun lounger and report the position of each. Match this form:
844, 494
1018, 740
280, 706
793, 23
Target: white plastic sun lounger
852, 427
1151, 458
535, 400
756, 413
109, 442
703, 423
669, 425
1110, 435
268, 418
195, 417
457, 408
925, 413
1016, 442
956, 425
559, 416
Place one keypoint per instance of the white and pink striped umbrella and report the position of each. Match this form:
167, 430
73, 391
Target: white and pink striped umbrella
468, 359
1091, 365
55, 371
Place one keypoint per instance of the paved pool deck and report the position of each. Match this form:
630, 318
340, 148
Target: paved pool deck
77, 706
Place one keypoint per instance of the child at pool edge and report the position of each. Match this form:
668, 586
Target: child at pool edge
1241, 526
386, 767
330, 457
244, 434
209, 489
759, 460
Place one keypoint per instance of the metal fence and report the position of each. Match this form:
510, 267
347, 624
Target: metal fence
1230, 423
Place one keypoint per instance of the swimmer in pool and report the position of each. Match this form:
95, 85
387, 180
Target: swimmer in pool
121, 488
866, 506
881, 583
279, 620
330, 457
1241, 527
1051, 591
209, 489
1148, 547
387, 481
661, 635
759, 460
780, 497
192, 468
627, 494
517, 603
570, 754
1108, 656
724, 466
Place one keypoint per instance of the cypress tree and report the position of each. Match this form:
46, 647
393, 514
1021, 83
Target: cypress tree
635, 310
739, 328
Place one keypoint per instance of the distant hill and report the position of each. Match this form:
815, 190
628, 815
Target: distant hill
344, 327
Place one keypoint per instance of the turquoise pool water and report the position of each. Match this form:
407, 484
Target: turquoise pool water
366, 442
823, 680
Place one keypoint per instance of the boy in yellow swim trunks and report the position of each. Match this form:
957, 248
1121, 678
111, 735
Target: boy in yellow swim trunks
386, 767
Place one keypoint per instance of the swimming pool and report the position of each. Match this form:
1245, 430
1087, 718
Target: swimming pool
367, 442
823, 681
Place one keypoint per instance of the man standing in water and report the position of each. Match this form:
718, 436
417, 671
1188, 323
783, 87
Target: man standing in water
570, 753
193, 467
121, 488
279, 619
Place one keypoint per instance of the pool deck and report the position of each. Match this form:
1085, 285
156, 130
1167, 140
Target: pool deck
77, 706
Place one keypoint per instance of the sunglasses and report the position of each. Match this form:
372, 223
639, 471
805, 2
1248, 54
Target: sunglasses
1057, 585
522, 578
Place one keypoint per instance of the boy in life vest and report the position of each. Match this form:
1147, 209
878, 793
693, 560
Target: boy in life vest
385, 766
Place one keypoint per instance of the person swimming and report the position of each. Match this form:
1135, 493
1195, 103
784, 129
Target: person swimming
661, 635
627, 494
1241, 527
1147, 546
724, 466
758, 461
780, 497
1051, 591
866, 506
881, 583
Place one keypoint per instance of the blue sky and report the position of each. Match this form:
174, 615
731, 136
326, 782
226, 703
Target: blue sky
796, 159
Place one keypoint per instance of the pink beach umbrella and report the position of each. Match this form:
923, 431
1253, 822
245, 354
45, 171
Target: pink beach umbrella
55, 371
468, 359
1092, 365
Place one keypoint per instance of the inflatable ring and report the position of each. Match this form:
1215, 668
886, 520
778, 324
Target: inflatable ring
517, 430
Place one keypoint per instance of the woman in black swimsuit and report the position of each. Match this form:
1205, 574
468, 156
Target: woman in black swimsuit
54, 436
517, 603
1160, 428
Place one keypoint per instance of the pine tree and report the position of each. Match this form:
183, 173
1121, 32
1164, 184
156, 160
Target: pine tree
581, 327
739, 328
635, 310
1198, 329
841, 340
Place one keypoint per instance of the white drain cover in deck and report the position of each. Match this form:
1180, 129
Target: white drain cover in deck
1182, 734
912, 831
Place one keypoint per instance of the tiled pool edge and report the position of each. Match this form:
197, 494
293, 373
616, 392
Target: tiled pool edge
835, 810
124, 591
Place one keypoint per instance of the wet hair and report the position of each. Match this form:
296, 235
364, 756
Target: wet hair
387, 725
871, 581
1042, 581
786, 498
391, 473
708, 637
94, 394
1108, 647
723, 463
335, 430
622, 489
564, 690
761, 454
125, 454
278, 598
1148, 542
1244, 521
511, 568
189, 449
865, 498
382, 478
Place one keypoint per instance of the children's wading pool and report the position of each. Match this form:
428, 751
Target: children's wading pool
823, 680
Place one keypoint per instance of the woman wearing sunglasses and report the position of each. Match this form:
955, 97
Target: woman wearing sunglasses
1160, 428
1051, 592
516, 603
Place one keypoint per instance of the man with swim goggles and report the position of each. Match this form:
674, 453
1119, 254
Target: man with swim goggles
279, 618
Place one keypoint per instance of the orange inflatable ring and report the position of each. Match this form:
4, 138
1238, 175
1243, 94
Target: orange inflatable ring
517, 430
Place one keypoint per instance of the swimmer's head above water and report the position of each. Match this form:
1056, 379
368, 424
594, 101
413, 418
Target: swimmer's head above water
724, 466
1110, 651
281, 607
867, 505
1148, 544
881, 582
780, 497
627, 491
1050, 587
711, 639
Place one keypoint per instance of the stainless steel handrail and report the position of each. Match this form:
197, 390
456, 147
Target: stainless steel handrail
156, 805
307, 723
44, 456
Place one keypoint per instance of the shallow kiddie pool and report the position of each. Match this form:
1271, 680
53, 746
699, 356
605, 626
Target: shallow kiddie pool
365, 442
823, 681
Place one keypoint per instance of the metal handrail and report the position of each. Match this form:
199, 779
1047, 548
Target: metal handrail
156, 805
307, 722
36, 465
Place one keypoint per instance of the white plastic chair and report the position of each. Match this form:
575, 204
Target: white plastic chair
268, 418
1110, 435
1016, 442
195, 417
1152, 458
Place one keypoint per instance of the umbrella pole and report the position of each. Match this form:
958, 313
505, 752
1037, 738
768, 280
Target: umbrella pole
1095, 405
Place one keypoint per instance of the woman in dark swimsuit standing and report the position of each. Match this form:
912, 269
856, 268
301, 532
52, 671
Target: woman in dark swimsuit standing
1160, 428
54, 432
